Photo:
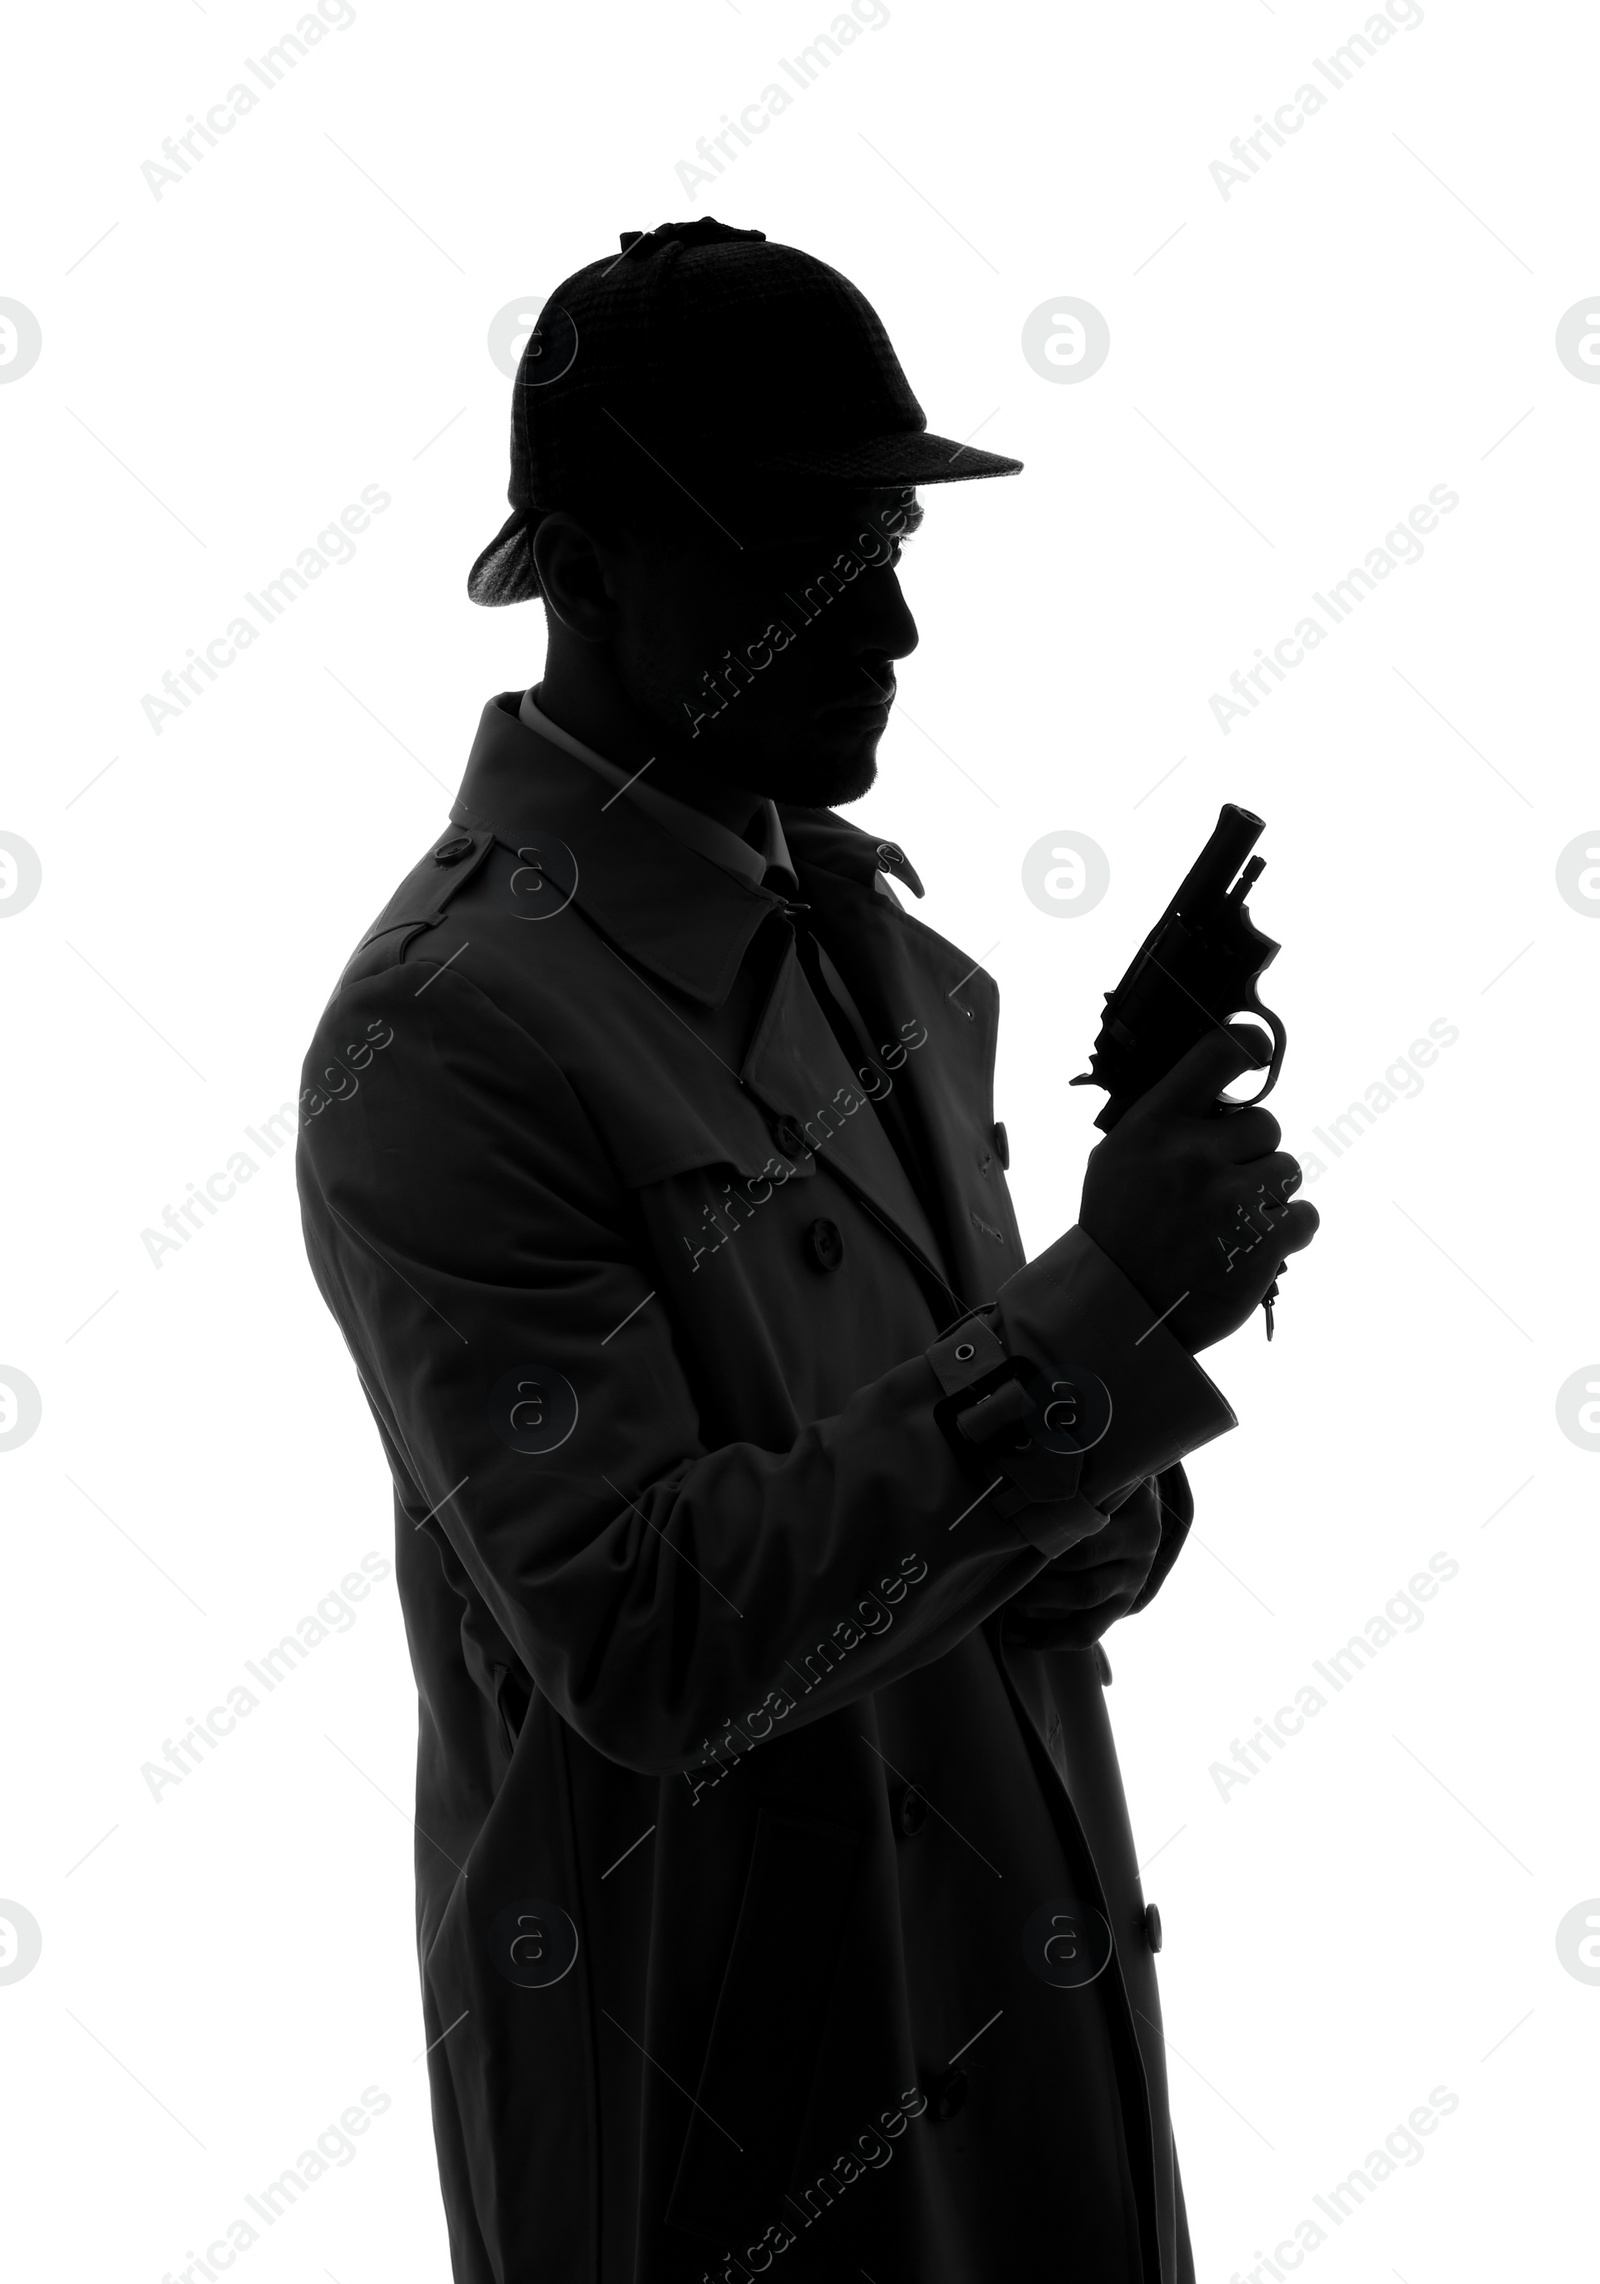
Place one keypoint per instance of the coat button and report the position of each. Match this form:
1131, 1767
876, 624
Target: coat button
1102, 1664
823, 1245
910, 1810
889, 853
1002, 1145
947, 2093
1152, 1926
451, 852
787, 1133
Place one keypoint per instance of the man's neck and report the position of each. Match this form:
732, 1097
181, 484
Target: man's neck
601, 718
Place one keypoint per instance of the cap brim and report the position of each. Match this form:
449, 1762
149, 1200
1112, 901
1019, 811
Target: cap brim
504, 572
909, 457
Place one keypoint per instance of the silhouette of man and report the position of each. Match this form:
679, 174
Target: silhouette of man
759, 1508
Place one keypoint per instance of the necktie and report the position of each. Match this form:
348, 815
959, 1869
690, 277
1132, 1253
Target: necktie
890, 1101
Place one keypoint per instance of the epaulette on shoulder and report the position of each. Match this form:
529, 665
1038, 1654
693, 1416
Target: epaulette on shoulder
426, 893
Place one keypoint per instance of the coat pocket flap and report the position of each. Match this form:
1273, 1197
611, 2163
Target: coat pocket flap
676, 1135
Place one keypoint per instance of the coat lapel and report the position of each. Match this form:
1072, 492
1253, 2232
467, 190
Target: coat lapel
921, 992
796, 1068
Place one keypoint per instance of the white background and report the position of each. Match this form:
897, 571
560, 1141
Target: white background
304, 314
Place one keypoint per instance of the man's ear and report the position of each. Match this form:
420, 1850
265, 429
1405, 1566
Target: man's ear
574, 577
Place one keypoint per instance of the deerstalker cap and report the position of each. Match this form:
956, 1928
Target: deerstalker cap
718, 356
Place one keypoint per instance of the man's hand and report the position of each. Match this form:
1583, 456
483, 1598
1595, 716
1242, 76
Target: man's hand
1191, 1205
1076, 1597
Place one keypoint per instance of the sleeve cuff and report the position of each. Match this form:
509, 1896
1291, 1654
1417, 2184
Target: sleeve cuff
1073, 1305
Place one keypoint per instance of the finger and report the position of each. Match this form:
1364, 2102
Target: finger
1194, 1082
1069, 1586
1061, 1610
1136, 1542
1274, 1179
1268, 1214
1293, 1231
1283, 1229
1246, 1134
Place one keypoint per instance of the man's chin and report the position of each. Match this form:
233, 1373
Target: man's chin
847, 784
823, 779
829, 769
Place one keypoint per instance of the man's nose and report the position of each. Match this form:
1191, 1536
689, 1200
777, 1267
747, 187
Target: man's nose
881, 619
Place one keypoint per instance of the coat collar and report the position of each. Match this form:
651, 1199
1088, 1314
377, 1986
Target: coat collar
670, 908
931, 1010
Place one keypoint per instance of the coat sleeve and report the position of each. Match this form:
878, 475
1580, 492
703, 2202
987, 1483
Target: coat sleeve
490, 1276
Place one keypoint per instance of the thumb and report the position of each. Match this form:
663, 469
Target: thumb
1212, 1063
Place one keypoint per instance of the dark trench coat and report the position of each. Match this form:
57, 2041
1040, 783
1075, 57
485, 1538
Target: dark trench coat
776, 1914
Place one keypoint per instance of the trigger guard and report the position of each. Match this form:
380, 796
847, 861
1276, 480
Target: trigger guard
1280, 1041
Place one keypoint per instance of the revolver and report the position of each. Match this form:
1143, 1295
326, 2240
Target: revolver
1198, 967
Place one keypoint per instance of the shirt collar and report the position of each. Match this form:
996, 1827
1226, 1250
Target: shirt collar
766, 866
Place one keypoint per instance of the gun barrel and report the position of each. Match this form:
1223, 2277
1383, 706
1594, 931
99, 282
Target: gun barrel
1211, 874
